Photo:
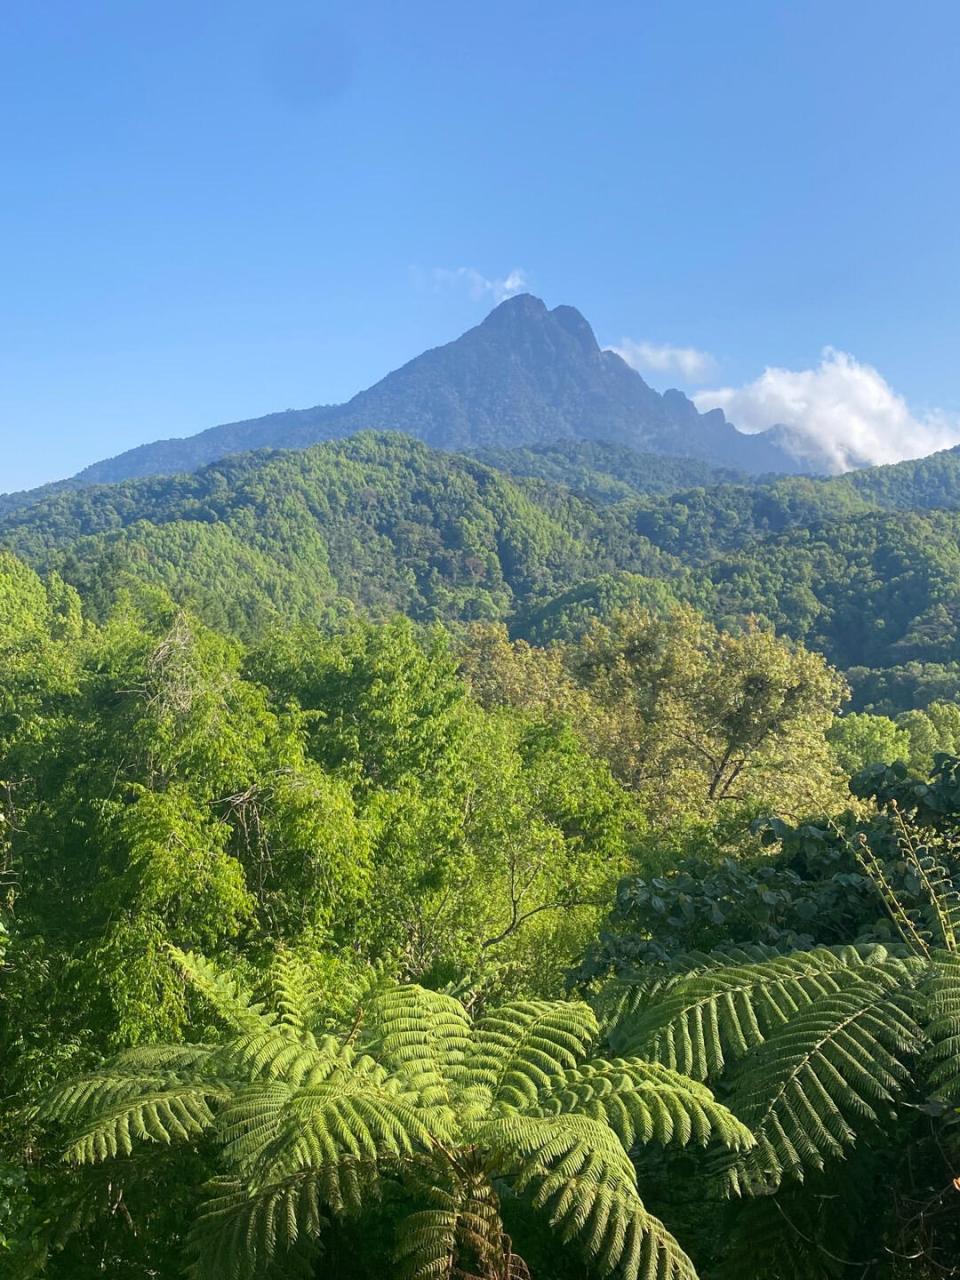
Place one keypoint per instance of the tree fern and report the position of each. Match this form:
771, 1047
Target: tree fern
705, 1020
516, 1050
815, 1084
311, 1126
232, 1004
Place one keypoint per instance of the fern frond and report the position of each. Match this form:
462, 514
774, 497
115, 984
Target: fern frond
274, 1130
133, 1074
278, 1053
624, 996
298, 994
942, 1060
821, 1078
153, 1093
310, 1127
422, 1034
717, 1015
233, 1005
176, 1115
241, 1232
530, 1148
612, 1226
517, 1049
644, 1102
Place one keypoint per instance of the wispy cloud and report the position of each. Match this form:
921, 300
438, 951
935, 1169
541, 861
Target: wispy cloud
843, 413
477, 284
690, 363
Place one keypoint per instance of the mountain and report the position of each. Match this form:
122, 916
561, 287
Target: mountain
606, 473
525, 376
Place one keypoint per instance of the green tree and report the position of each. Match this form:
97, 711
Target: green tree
933, 731
696, 717
410, 1100
860, 739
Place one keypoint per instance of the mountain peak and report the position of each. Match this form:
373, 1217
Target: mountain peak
524, 375
519, 308
576, 325
525, 315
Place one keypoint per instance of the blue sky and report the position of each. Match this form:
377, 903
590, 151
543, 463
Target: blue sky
210, 210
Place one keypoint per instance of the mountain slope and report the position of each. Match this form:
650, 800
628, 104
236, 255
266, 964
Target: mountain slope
525, 376
377, 521
383, 523
606, 473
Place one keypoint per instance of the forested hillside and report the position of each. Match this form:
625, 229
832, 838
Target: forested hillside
368, 945
384, 830
606, 473
862, 568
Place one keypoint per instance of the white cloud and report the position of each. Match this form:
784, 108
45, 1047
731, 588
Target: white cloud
842, 414
478, 285
654, 357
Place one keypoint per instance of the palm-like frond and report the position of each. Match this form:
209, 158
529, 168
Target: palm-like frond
274, 1130
715, 1016
425, 1035
575, 1167
625, 996
234, 1006
609, 1222
310, 1126
517, 1049
643, 1102
943, 1027
818, 1079
152, 1094
529, 1148
242, 1233
298, 992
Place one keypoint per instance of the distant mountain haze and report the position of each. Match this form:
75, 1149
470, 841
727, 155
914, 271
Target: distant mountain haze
526, 375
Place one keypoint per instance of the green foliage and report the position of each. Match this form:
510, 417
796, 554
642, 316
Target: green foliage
376, 521
568, 616
312, 1127
863, 568
826, 1053
691, 719
224, 752
860, 739
699, 717
338, 804
605, 473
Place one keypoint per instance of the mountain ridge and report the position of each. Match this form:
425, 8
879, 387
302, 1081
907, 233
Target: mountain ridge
864, 568
525, 375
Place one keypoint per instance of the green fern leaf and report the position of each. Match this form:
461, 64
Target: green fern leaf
517, 1049
716, 1016
816, 1082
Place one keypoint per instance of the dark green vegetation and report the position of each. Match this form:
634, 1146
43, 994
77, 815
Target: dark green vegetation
864, 568
575, 924
606, 473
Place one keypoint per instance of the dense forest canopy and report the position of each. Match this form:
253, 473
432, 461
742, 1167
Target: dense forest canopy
541, 864
863, 568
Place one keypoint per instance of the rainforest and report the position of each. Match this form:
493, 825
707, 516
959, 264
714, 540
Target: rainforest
540, 862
